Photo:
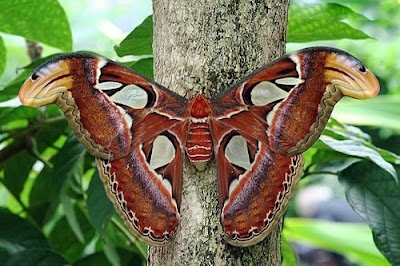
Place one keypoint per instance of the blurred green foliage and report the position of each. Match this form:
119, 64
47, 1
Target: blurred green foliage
55, 210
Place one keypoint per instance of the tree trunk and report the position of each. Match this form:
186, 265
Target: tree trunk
204, 46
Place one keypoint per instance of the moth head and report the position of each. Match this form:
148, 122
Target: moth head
350, 76
46, 83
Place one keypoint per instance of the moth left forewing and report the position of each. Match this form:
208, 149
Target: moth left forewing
134, 127
255, 185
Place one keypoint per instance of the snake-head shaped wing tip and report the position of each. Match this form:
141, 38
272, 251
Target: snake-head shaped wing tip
351, 76
50, 80
46, 84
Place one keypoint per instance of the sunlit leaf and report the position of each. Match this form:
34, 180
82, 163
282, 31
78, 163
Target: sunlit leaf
42, 21
335, 166
351, 240
327, 21
288, 253
139, 41
356, 148
375, 196
381, 111
327, 155
339, 131
340, 143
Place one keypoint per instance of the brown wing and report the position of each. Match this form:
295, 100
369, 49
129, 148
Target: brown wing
261, 124
255, 184
134, 127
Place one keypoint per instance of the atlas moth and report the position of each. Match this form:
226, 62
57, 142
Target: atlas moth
256, 130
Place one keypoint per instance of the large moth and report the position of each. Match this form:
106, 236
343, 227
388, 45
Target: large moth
256, 130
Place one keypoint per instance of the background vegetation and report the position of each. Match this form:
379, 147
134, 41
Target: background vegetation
53, 209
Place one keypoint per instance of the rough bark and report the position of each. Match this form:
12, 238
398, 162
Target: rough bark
204, 46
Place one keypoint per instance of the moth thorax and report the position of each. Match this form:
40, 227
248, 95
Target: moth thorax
200, 107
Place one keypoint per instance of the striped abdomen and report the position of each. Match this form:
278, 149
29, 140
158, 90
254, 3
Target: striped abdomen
199, 147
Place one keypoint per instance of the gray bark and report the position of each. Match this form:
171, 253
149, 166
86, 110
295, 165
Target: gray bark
204, 46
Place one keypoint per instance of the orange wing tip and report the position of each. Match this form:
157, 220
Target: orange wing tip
351, 77
46, 84
30, 96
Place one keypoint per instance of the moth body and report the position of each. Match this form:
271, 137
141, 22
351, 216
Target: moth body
199, 145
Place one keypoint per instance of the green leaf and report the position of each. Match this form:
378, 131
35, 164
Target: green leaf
36, 257
10, 91
3, 57
4, 256
17, 234
340, 131
39, 197
42, 21
375, 196
387, 155
335, 166
64, 240
127, 258
288, 254
65, 164
143, 66
72, 220
325, 21
352, 240
139, 41
96, 259
8, 114
16, 173
117, 234
326, 155
356, 148
381, 111
100, 208
110, 252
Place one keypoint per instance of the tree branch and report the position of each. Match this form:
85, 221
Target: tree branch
16, 146
34, 50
